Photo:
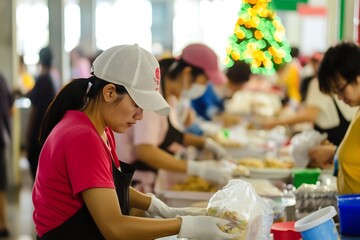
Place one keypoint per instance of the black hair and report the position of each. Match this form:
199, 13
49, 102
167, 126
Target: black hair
73, 96
238, 73
295, 52
46, 57
342, 60
178, 66
165, 64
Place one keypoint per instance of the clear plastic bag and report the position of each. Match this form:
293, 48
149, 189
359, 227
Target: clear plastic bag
302, 142
250, 215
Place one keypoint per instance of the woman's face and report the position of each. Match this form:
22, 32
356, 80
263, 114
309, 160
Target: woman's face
349, 92
195, 87
123, 113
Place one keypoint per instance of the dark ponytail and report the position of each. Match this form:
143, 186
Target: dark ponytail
73, 96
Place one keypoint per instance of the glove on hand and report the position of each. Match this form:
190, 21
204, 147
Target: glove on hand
209, 171
159, 208
203, 227
216, 148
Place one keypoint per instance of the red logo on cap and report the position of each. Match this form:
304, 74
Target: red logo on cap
157, 79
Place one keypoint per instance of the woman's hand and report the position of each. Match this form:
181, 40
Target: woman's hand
322, 155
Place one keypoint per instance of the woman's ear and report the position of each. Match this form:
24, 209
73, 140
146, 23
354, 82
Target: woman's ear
109, 92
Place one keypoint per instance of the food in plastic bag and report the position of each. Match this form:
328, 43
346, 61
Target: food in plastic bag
237, 225
302, 142
249, 214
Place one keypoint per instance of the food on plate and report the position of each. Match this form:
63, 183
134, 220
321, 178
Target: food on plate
251, 162
267, 163
241, 170
194, 183
238, 224
277, 163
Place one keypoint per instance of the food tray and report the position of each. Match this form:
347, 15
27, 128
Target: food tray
166, 179
173, 198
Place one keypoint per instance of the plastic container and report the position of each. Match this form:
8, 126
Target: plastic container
349, 214
285, 231
318, 225
306, 175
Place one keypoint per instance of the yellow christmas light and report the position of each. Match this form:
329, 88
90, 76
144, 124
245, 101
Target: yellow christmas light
277, 60
251, 12
240, 21
256, 20
240, 34
255, 64
260, 56
278, 36
258, 34
235, 55
251, 46
267, 63
281, 53
271, 50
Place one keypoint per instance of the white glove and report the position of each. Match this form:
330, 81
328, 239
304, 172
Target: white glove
209, 171
204, 227
159, 208
216, 148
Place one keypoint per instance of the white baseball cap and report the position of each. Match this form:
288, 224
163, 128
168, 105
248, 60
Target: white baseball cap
137, 70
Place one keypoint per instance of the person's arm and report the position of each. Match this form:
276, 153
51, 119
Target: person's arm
105, 210
194, 140
155, 207
307, 114
158, 158
139, 200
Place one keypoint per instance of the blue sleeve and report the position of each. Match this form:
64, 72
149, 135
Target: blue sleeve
208, 104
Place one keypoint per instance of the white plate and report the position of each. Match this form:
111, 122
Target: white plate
270, 173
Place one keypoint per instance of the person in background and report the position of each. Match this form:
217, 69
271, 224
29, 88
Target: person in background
81, 190
327, 114
26, 80
210, 106
339, 74
290, 79
309, 72
6, 107
212, 102
41, 96
80, 64
238, 75
153, 143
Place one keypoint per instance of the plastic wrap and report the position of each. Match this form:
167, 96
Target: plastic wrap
302, 142
249, 214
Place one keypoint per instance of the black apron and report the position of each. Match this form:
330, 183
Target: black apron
335, 134
172, 136
82, 225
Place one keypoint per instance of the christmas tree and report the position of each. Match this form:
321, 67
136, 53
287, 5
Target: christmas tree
259, 38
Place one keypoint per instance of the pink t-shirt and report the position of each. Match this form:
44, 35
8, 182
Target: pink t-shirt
74, 158
151, 129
